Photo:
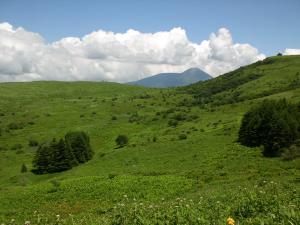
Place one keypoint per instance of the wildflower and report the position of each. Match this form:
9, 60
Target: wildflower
230, 221
125, 196
27, 223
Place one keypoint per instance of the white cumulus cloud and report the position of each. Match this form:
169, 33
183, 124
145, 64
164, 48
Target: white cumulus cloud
120, 57
291, 51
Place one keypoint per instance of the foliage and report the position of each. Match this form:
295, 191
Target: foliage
121, 140
58, 156
274, 124
221, 177
78, 144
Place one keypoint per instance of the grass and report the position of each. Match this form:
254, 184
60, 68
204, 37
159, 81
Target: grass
158, 178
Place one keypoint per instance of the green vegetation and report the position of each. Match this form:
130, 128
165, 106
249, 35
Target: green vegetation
188, 171
58, 156
273, 124
121, 140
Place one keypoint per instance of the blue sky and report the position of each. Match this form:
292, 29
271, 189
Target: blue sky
268, 25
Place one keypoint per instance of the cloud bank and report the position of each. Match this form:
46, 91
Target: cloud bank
291, 51
120, 57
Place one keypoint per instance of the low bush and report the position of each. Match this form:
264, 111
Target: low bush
121, 140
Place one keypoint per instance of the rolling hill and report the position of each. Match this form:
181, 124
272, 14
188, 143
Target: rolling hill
182, 164
164, 80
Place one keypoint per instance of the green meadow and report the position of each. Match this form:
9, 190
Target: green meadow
182, 164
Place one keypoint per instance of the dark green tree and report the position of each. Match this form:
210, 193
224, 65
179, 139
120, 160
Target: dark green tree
61, 159
42, 159
272, 124
78, 144
62, 155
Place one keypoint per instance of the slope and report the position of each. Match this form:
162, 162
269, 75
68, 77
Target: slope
179, 154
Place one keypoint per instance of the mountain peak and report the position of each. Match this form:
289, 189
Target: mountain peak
163, 80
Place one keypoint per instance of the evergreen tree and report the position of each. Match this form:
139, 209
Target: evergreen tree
42, 159
62, 155
79, 144
60, 158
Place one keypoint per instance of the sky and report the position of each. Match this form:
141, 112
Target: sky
127, 40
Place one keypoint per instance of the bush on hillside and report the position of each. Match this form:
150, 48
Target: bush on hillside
121, 140
62, 155
272, 124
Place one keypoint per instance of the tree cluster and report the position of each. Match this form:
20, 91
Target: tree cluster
61, 155
274, 124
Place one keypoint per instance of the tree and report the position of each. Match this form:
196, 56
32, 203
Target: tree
121, 140
57, 156
60, 158
78, 144
42, 159
272, 124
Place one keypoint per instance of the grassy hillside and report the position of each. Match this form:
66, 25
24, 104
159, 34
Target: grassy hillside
159, 177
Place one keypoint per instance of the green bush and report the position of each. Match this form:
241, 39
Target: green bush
121, 140
272, 124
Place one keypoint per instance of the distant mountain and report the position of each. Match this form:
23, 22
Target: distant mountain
164, 80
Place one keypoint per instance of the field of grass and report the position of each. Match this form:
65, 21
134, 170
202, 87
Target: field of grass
159, 177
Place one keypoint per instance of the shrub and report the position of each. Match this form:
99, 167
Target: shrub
272, 124
113, 118
121, 140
